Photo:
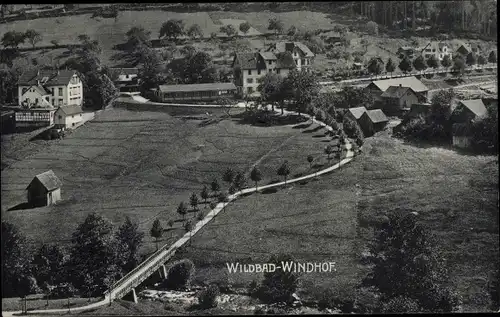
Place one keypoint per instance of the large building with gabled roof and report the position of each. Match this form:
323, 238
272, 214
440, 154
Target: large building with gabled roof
279, 58
43, 88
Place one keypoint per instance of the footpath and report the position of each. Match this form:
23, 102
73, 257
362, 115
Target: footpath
133, 278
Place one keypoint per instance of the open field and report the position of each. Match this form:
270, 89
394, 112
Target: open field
143, 164
330, 219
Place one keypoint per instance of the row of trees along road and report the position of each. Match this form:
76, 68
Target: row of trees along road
376, 66
96, 258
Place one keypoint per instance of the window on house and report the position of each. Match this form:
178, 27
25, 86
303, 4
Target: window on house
52, 91
270, 62
249, 72
303, 62
258, 72
53, 101
61, 102
60, 91
249, 80
250, 90
60, 117
73, 124
36, 100
278, 71
126, 76
72, 116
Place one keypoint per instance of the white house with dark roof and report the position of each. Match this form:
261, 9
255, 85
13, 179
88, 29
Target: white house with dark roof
44, 189
437, 49
125, 79
42, 88
280, 58
68, 117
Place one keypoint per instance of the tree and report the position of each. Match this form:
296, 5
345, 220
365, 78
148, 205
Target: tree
229, 29
329, 150
33, 37
459, 66
54, 42
200, 68
172, 29
255, 176
213, 36
208, 297
194, 31
471, 59
16, 261
270, 88
204, 194
94, 252
280, 285
180, 275
128, 234
100, 90
390, 67
182, 210
245, 27
302, 87
214, 186
193, 201
48, 266
375, 66
228, 176
284, 170
13, 39
419, 63
446, 62
310, 160
292, 31
275, 25
188, 226
372, 28
239, 180
156, 231
433, 62
481, 60
484, 131
338, 151
492, 58
405, 65
188, 51
171, 223
406, 264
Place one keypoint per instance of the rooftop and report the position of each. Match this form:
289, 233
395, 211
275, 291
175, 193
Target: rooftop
411, 82
376, 115
52, 77
476, 106
70, 110
357, 112
197, 87
396, 92
49, 180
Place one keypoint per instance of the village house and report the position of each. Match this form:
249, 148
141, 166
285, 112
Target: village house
372, 121
399, 99
465, 49
55, 88
194, 92
35, 117
68, 117
125, 79
461, 135
467, 110
437, 49
281, 58
378, 87
355, 113
406, 51
418, 109
44, 189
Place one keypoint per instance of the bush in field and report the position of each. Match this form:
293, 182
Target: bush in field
278, 286
180, 275
208, 297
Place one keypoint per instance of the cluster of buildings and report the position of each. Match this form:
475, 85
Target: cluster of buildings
48, 98
439, 50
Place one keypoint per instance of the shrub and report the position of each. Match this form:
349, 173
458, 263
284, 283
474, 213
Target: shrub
180, 275
367, 301
223, 197
200, 216
320, 115
278, 286
212, 205
343, 298
400, 304
208, 297
63, 291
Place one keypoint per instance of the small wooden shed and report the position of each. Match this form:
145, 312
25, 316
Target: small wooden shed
373, 121
44, 189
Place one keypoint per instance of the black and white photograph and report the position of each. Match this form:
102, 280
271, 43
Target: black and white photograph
249, 158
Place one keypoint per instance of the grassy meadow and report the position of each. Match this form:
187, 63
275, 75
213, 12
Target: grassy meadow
142, 165
331, 219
